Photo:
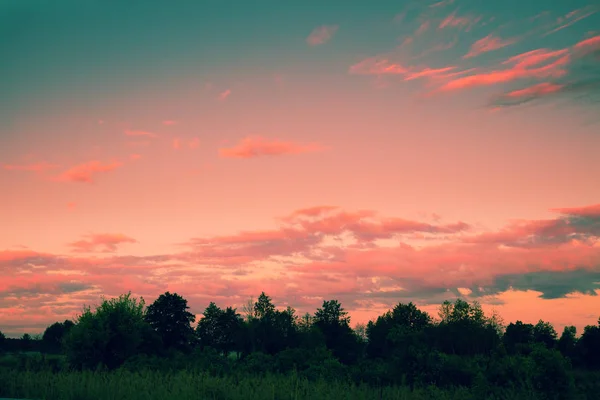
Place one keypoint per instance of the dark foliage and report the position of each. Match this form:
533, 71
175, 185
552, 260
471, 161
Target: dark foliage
404, 346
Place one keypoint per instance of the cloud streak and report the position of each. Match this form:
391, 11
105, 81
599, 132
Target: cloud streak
86, 172
321, 35
258, 146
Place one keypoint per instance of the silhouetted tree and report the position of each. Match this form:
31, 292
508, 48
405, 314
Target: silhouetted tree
567, 342
109, 336
2, 341
544, 333
588, 346
220, 329
26, 342
170, 318
53, 336
334, 322
518, 337
464, 329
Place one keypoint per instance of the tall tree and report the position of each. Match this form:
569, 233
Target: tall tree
544, 333
53, 336
333, 321
567, 342
220, 329
108, 336
170, 318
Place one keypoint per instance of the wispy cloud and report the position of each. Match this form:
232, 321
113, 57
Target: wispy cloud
35, 167
258, 146
321, 34
86, 172
224, 94
541, 63
573, 17
169, 122
486, 44
100, 242
129, 132
453, 21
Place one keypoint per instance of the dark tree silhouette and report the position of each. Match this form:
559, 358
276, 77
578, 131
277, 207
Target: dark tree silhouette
518, 337
220, 329
544, 333
333, 321
53, 336
567, 342
170, 318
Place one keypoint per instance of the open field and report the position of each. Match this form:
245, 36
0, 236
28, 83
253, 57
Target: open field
196, 385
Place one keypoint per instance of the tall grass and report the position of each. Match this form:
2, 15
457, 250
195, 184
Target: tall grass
182, 385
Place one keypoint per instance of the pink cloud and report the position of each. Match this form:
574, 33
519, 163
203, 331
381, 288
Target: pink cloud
315, 252
383, 66
224, 95
35, 167
588, 45
321, 34
457, 22
486, 44
586, 211
135, 156
103, 242
422, 28
84, 173
139, 133
169, 122
71, 205
377, 66
526, 65
541, 89
257, 146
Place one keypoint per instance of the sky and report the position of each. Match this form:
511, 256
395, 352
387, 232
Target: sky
369, 152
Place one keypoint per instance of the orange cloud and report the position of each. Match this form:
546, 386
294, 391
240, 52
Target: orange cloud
257, 146
486, 44
84, 173
526, 65
36, 167
321, 34
135, 156
139, 133
103, 242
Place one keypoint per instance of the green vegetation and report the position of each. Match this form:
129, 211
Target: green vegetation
124, 350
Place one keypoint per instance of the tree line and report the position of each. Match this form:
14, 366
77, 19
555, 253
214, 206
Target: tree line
405, 345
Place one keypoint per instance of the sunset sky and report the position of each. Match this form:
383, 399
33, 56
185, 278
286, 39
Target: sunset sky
372, 152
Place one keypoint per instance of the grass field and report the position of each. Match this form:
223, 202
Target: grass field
197, 385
